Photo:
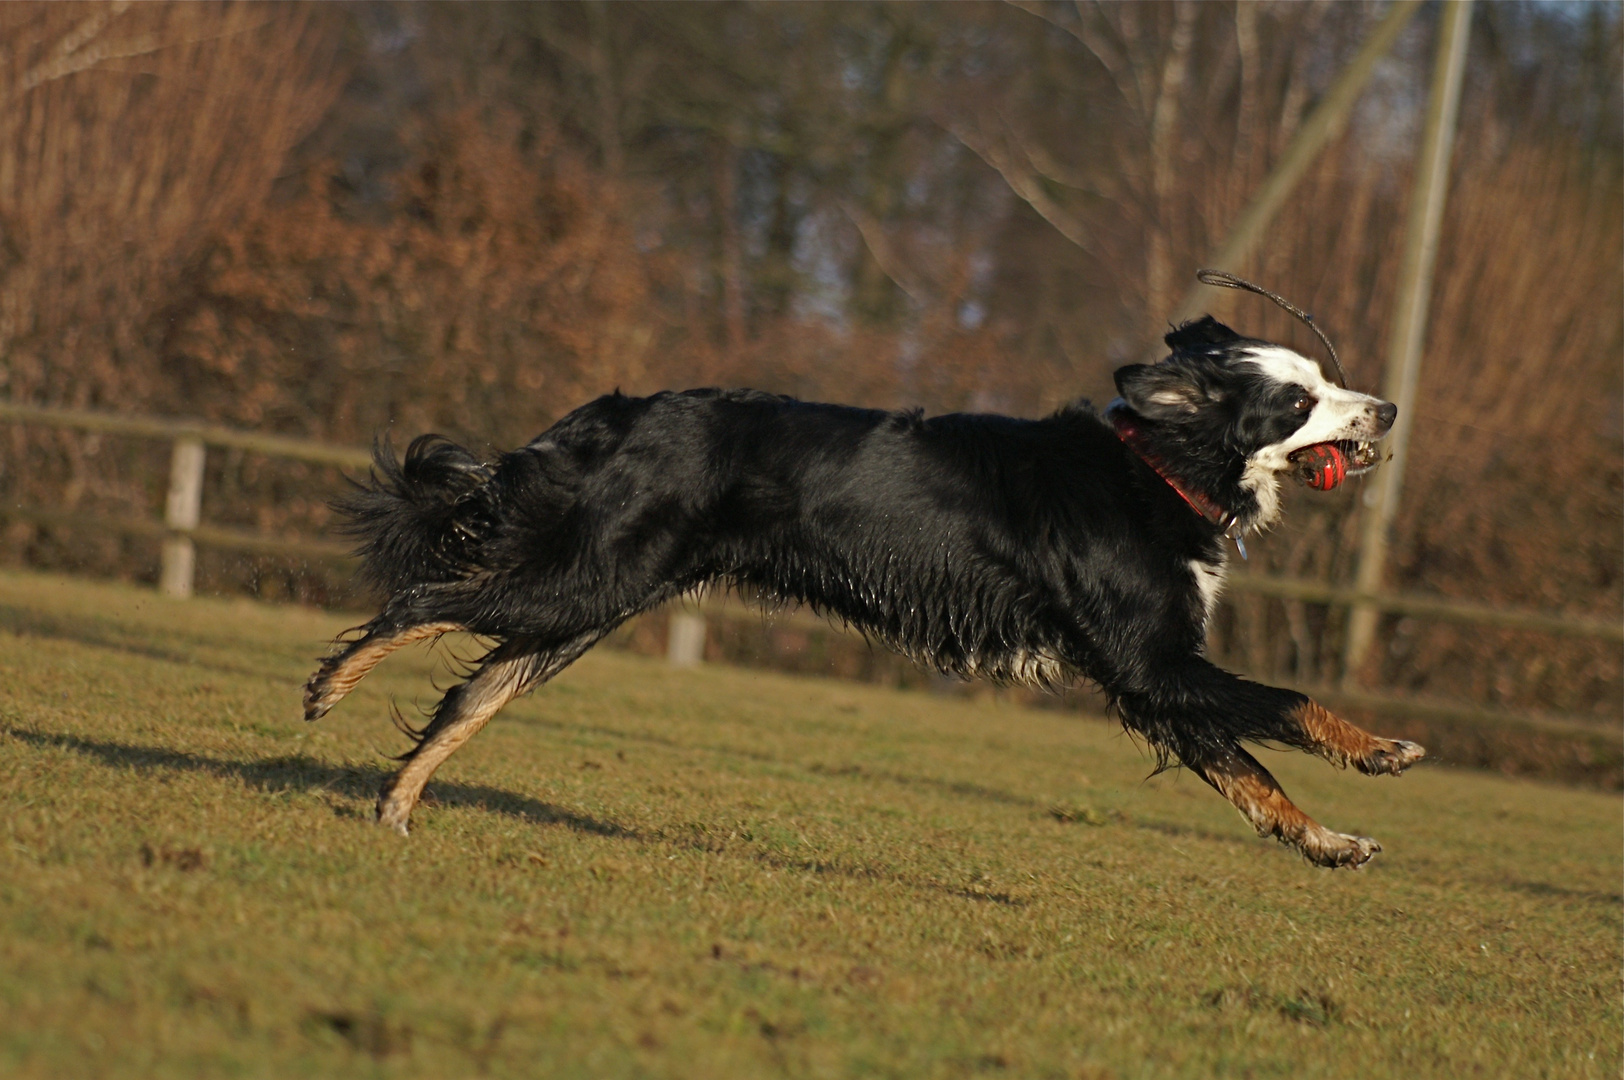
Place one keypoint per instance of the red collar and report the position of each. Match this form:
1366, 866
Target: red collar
1134, 439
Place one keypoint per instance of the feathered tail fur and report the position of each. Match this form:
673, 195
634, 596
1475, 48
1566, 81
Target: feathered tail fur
417, 521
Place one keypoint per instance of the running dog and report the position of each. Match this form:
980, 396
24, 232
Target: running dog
1085, 545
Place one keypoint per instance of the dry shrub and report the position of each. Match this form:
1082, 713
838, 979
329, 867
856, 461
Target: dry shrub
501, 287
1513, 495
1517, 439
504, 283
128, 136
498, 287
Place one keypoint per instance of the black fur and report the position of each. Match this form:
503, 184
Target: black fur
1036, 551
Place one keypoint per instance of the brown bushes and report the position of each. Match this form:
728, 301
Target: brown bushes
501, 287
1513, 486
129, 136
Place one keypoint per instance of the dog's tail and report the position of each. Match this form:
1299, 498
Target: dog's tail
420, 521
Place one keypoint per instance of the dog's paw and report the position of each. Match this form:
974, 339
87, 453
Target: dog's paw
319, 698
314, 707
393, 814
1390, 758
393, 817
1333, 849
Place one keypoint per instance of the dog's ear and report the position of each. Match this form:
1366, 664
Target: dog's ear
1161, 391
1200, 336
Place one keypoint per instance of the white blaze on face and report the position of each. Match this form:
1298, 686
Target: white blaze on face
1338, 415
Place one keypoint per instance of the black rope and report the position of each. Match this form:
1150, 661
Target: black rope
1230, 281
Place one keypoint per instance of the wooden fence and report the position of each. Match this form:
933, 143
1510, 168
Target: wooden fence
182, 529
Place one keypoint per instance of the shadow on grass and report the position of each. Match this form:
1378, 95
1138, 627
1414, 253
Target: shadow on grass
95, 632
1544, 890
105, 634
305, 774
300, 773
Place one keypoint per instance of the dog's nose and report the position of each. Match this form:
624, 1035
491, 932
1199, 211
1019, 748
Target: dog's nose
1386, 413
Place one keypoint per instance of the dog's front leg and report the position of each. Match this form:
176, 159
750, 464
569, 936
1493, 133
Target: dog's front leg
1240, 779
1341, 743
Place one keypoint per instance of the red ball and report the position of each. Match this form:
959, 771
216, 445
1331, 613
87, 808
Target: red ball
1323, 466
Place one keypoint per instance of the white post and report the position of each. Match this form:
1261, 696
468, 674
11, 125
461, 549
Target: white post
182, 512
685, 635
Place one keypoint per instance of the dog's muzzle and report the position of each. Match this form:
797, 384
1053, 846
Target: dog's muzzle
1325, 465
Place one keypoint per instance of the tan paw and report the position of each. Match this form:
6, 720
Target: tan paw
317, 702
394, 814
1390, 758
1333, 849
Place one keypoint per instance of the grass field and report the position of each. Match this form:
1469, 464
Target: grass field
718, 873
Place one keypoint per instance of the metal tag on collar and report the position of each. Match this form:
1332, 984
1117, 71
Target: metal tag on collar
1234, 532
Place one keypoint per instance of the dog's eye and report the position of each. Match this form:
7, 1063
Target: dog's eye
1303, 403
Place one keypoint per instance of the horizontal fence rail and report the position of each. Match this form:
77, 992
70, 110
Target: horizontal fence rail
209, 536
154, 427
1429, 607
182, 528
180, 431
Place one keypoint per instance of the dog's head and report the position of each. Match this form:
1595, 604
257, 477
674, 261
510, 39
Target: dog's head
1258, 406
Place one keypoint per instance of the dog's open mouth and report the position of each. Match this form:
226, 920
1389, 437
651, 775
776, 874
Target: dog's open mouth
1325, 465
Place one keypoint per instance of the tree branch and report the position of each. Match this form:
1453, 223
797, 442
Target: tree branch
879, 245
1027, 186
1096, 48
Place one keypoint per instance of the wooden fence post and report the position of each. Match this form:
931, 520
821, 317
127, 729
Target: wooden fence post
685, 635
182, 513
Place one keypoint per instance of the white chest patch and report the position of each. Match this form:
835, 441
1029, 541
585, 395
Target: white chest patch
1209, 582
1263, 481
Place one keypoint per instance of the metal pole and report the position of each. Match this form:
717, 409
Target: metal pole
1409, 331
182, 512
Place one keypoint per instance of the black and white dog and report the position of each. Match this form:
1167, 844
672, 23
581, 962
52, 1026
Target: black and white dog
1025, 551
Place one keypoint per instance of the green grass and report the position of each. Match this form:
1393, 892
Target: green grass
716, 873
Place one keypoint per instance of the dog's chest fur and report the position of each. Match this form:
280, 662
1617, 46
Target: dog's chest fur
1209, 583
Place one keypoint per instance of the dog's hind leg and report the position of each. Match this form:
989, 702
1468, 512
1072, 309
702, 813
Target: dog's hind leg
346, 666
506, 672
1343, 744
1239, 778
